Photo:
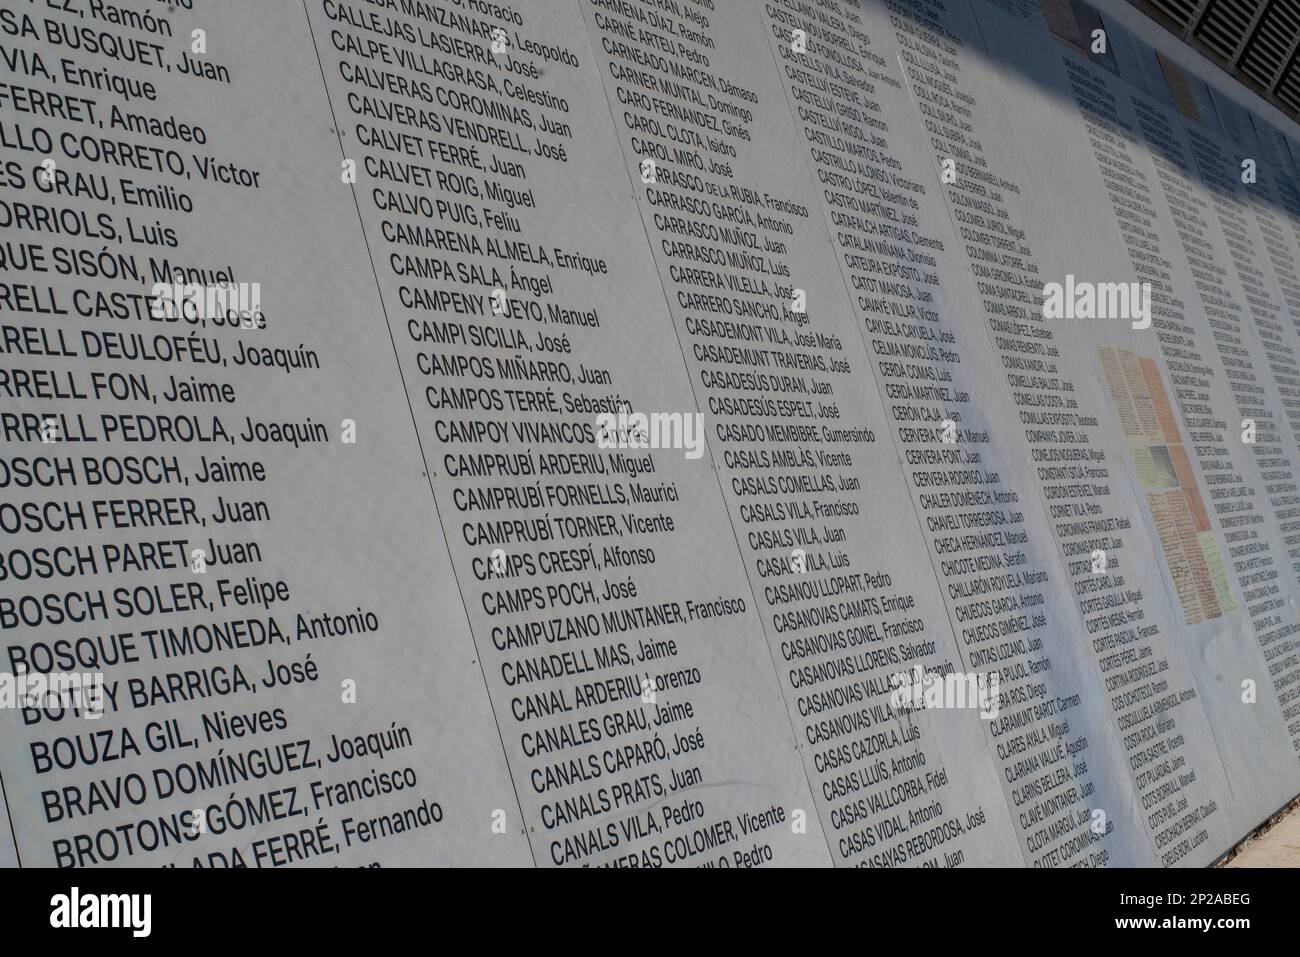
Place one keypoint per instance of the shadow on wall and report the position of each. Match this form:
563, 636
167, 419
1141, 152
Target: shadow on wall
1274, 159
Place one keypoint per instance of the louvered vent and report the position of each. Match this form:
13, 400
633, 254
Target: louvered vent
1257, 40
1180, 11
1226, 23
1288, 91
1269, 48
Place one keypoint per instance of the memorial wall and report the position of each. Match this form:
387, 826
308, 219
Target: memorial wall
640, 432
